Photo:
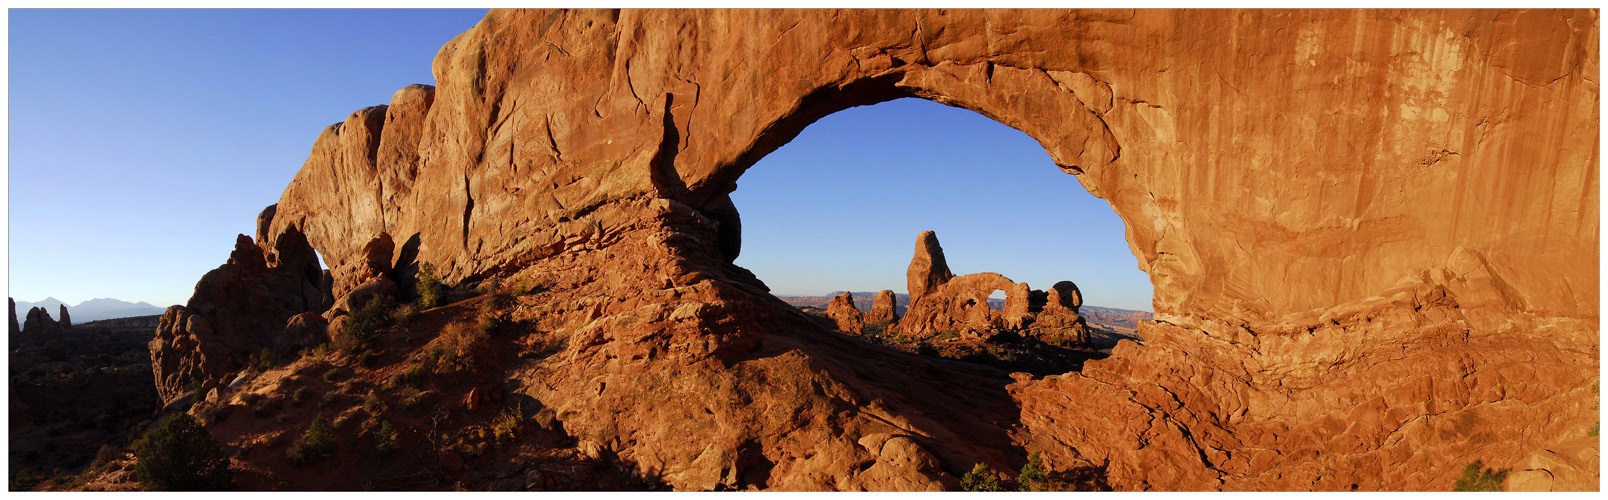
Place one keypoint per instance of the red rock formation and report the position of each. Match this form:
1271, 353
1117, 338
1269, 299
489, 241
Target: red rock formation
928, 269
38, 319
1372, 235
237, 310
843, 312
959, 306
882, 310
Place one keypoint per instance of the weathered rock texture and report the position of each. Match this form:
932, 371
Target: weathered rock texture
928, 269
843, 312
882, 309
1373, 236
237, 310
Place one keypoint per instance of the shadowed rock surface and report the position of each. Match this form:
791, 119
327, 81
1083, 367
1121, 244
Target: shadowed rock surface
1372, 237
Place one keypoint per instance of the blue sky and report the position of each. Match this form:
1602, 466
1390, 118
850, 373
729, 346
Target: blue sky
142, 141
840, 206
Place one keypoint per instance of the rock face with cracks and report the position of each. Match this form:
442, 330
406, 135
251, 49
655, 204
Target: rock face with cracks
1372, 237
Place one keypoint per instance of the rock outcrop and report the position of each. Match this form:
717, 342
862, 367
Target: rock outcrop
65, 319
883, 309
928, 269
1372, 237
237, 310
843, 312
38, 319
13, 310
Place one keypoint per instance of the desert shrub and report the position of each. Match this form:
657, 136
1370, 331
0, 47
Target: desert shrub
329, 399
314, 445
301, 394
262, 361
366, 359
385, 438
1475, 479
181, 455
1596, 429
1033, 475
404, 314
431, 292
410, 397
457, 345
521, 288
364, 325
332, 374
488, 325
506, 427
981, 478
23, 480
412, 376
319, 351
373, 403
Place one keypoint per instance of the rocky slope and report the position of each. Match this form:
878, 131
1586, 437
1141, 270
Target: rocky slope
1372, 237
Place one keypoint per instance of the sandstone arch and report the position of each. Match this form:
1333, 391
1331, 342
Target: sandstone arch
1297, 228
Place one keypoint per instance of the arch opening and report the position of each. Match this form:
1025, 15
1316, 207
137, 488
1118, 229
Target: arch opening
834, 210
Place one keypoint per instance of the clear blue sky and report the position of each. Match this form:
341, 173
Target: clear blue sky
840, 206
142, 141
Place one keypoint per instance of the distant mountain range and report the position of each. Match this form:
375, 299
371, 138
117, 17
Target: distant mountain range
90, 310
1124, 321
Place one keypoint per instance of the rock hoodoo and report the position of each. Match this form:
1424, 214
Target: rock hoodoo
1372, 237
38, 319
843, 312
883, 310
65, 320
928, 269
13, 310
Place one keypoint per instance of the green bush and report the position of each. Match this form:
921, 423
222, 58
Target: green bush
364, 325
981, 478
181, 455
23, 480
431, 293
316, 444
262, 361
386, 438
1476, 480
1033, 475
